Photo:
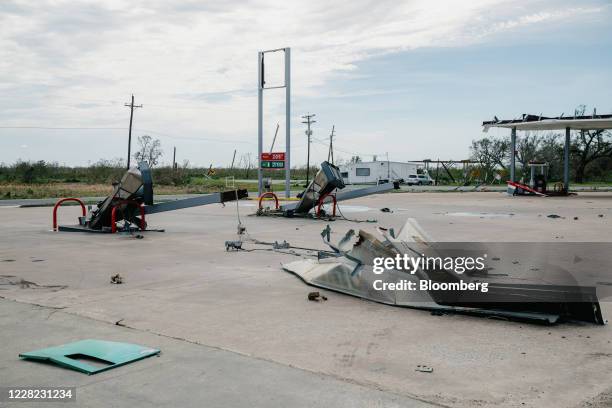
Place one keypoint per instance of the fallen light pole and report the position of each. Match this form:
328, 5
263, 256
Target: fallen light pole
131, 200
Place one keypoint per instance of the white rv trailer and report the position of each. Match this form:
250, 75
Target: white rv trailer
375, 171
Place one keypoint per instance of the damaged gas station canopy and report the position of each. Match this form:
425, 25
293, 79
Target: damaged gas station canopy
535, 288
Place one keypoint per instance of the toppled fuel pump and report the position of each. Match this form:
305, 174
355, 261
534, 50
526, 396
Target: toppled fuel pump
131, 200
325, 184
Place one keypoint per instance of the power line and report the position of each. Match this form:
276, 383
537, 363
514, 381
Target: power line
192, 138
61, 128
123, 128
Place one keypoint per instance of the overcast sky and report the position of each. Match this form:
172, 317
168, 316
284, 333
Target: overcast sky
413, 78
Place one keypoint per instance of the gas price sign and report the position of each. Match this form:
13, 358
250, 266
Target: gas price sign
273, 160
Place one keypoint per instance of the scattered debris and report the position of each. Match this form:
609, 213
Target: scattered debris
575, 218
116, 279
91, 356
316, 297
280, 245
235, 245
553, 216
600, 215
424, 369
386, 210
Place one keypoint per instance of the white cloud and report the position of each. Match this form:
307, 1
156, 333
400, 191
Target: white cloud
193, 63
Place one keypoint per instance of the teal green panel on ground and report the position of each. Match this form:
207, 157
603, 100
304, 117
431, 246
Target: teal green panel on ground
105, 354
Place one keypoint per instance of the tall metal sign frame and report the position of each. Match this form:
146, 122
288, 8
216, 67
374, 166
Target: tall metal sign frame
261, 85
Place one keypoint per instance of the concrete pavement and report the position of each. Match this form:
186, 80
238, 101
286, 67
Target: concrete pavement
182, 284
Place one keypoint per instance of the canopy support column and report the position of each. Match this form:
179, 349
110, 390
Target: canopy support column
566, 149
513, 155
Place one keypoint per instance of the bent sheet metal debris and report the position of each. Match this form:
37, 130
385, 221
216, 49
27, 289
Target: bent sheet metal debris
350, 271
91, 356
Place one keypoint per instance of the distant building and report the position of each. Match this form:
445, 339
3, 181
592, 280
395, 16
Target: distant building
377, 171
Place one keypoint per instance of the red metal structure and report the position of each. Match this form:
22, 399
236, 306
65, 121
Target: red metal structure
321, 202
129, 202
268, 194
63, 200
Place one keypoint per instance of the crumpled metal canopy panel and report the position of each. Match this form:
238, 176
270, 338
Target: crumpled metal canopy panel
351, 272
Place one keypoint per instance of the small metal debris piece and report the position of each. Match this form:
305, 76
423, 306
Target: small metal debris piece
316, 297
600, 215
116, 279
326, 233
92, 356
280, 245
386, 209
235, 245
424, 369
575, 218
553, 216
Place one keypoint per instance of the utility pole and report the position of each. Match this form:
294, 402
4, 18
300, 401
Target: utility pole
308, 122
131, 106
174, 159
330, 154
233, 159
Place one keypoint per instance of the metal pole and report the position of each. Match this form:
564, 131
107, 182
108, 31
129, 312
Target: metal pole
388, 169
130, 134
308, 122
174, 159
566, 150
233, 160
308, 132
131, 106
513, 154
259, 120
330, 153
287, 121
